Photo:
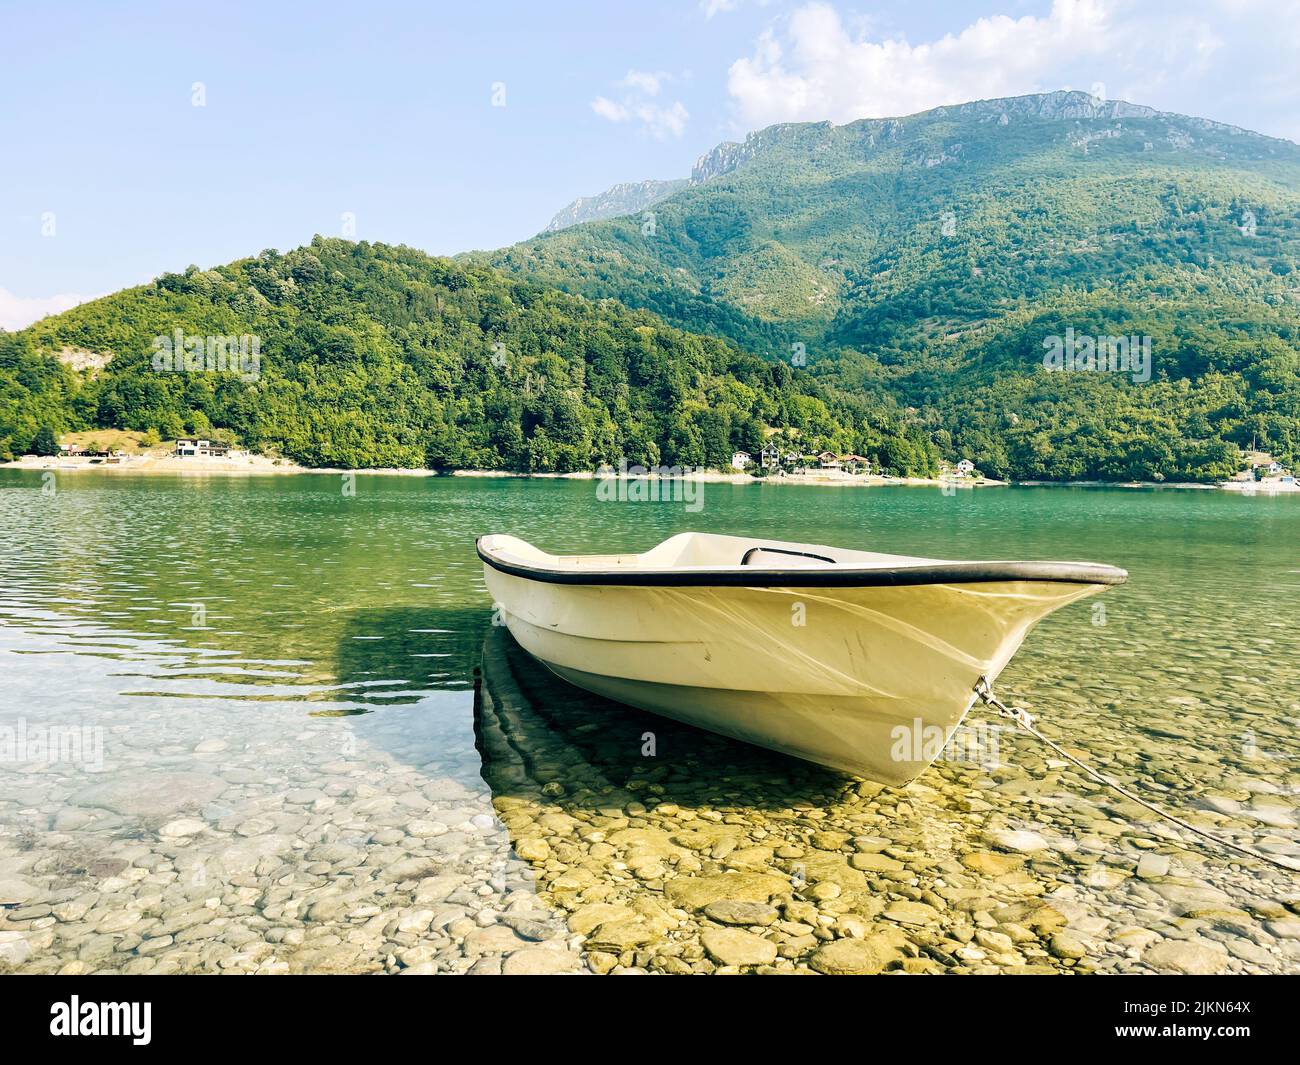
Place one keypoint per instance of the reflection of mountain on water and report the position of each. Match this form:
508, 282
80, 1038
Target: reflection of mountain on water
543, 739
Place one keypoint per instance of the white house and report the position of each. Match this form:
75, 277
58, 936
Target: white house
1274, 467
965, 468
740, 460
201, 448
770, 456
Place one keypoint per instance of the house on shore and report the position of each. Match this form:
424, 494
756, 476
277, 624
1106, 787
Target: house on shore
740, 460
194, 448
1261, 471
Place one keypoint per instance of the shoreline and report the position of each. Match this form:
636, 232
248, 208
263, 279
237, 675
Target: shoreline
261, 465
250, 465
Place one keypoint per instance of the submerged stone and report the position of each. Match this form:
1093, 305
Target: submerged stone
731, 946
1195, 957
846, 957
696, 892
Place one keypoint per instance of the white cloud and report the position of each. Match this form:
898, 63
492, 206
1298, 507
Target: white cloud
718, 7
660, 121
644, 81
18, 312
1175, 54
817, 70
610, 110
714, 7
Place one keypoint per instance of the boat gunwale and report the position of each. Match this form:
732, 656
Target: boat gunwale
1085, 573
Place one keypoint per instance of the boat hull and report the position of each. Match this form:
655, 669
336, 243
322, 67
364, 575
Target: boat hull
869, 680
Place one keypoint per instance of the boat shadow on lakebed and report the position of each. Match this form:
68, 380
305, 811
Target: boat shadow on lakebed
542, 739
538, 734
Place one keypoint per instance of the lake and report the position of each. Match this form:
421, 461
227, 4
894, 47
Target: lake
239, 731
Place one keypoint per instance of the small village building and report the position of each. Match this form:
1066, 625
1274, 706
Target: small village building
196, 448
770, 456
827, 461
740, 460
965, 468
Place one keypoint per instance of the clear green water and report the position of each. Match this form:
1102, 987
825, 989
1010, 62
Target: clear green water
259, 633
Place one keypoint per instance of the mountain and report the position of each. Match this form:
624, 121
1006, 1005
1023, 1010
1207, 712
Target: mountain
366, 355
629, 197
930, 258
894, 287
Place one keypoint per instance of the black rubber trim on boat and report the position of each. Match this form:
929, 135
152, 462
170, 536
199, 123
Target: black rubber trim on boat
845, 577
782, 551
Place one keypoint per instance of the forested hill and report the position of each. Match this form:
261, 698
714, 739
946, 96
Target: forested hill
372, 356
928, 258
917, 266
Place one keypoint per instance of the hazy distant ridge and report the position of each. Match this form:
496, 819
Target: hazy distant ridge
628, 197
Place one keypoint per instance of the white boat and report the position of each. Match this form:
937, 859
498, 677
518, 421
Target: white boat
860, 661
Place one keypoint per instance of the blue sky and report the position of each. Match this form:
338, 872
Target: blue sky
385, 113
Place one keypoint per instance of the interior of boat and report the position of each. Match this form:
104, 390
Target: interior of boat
708, 550
689, 556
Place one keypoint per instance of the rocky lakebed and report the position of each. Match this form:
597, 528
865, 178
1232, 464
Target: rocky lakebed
373, 850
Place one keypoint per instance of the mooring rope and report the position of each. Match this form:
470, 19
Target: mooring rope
1021, 717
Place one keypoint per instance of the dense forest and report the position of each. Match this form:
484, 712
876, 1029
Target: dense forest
374, 356
927, 259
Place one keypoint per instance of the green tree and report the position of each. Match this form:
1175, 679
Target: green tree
44, 443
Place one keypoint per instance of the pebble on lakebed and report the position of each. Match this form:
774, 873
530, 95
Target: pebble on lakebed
584, 856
